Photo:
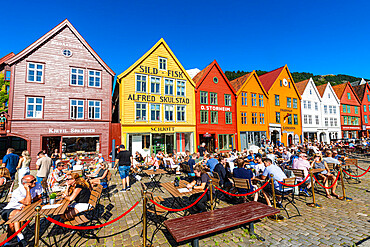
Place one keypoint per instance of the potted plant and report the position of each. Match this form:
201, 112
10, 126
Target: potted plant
52, 197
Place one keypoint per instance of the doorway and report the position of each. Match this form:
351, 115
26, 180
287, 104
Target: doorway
275, 136
50, 143
290, 140
209, 140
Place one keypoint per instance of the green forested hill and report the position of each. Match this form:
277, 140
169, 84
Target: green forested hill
301, 76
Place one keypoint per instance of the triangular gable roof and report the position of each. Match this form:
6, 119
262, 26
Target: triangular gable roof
50, 34
321, 89
339, 90
240, 82
330, 88
148, 53
6, 57
301, 86
199, 78
360, 91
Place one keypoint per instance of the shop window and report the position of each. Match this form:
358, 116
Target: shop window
94, 109
77, 109
227, 99
254, 99
289, 102
261, 103
168, 113
295, 103
181, 109
7, 75
168, 86
140, 111
145, 141
141, 83
94, 78
244, 99
277, 117
277, 100
225, 142
316, 106
203, 97
348, 95
244, 117
290, 119
262, 118
155, 112
181, 88
203, 117
254, 117
214, 117
356, 110
34, 107
317, 120
228, 118
155, 85
365, 119
213, 98
80, 144
162, 63
35, 72
344, 108
295, 119
77, 77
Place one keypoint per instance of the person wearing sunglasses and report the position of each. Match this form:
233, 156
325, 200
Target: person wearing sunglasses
28, 192
324, 175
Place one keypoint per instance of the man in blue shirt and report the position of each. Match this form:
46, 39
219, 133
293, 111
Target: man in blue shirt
191, 164
211, 163
251, 158
10, 161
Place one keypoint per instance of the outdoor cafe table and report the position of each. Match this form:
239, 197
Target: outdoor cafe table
155, 177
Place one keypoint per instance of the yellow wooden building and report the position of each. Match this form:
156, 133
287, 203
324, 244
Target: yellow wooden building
157, 104
285, 124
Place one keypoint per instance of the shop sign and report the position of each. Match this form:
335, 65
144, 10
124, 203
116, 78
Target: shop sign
158, 99
163, 129
367, 127
154, 71
70, 131
351, 127
207, 135
286, 110
288, 128
214, 108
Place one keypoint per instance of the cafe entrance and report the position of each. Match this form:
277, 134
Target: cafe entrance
50, 143
163, 142
209, 140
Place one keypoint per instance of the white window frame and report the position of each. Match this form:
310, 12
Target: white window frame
316, 106
325, 109
288, 102
261, 102
150, 112
305, 119
304, 104
177, 111
77, 77
35, 72
155, 82
326, 122
317, 119
330, 109
210, 98
262, 117
94, 76
159, 63
335, 122
177, 81
227, 98
309, 104
146, 112
94, 107
309, 119
254, 99
173, 112
36, 114
295, 103
141, 86
71, 107
166, 80
200, 98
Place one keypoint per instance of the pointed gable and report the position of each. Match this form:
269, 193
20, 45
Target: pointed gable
301, 86
339, 89
321, 89
360, 91
239, 82
49, 35
268, 79
202, 74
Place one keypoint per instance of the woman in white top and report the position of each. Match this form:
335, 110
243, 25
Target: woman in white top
24, 166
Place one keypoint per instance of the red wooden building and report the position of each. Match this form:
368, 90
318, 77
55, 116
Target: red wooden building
350, 113
59, 97
363, 94
215, 103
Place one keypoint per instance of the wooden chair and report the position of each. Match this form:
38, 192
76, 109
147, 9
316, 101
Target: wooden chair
285, 192
242, 183
298, 173
350, 166
4, 190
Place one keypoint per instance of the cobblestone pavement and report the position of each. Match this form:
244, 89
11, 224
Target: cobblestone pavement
338, 223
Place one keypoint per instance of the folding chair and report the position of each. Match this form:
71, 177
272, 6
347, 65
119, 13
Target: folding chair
285, 192
298, 173
350, 166
242, 183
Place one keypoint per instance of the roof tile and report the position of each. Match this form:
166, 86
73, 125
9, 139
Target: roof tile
239, 82
321, 89
301, 86
269, 78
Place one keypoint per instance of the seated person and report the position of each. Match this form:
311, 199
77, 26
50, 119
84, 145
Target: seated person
78, 190
171, 163
57, 175
241, 172
259, 167
153, 161
191, 164
101, 178
325, 175
251, 158
211, 162
4, 175
329, 158
29, 191
138, 158
302, 164
201, 182
220, 170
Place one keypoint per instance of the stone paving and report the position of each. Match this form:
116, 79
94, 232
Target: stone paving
338, 223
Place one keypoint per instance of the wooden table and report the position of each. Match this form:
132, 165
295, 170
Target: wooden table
155, 179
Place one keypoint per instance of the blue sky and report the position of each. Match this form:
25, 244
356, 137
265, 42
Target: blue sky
321, 37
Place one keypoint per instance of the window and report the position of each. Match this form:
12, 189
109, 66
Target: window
181, 88
213, 98
35, 72
214, 117
365, 119
317, 120
289, 102
244, 117
329, 95
331, 122
203, 117
254, 99
277, 100
335, 122
304, 104
141, 83
168, 112
344, 120
305, 119
203, 97
364, 108
295, 103
215, 80
181, 109
227, 99
162, 63
7, 75
140, 111
309, 104
295, 119
77, 109
368, 98
348, 95
277, 117
260, 99
290, 119
316, 106
334, 109
67, 53
310, 92
77, 77
225, 142
344, 108
356, 109
94, 109
309, 119
228, 118
244, 98
348, 109
330, 109
155, 112
326, 122
34, 106
281, 83
262, 118
168, 86
325, 109
94, 78
254, 118
155, 85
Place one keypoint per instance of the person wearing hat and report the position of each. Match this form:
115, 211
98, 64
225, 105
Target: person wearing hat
124, 161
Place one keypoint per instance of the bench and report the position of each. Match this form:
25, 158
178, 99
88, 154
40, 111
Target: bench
198, 225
